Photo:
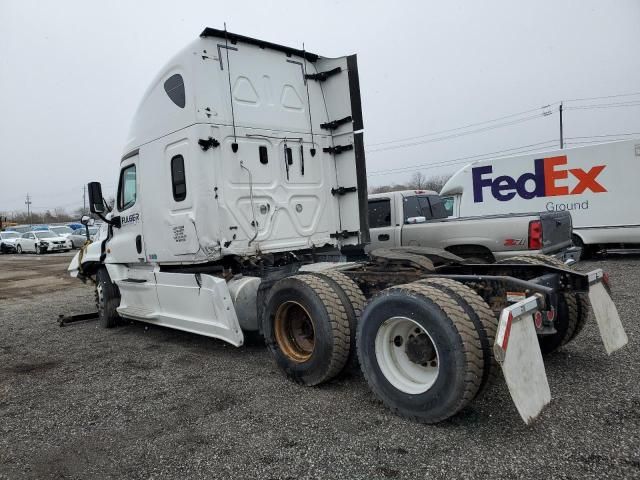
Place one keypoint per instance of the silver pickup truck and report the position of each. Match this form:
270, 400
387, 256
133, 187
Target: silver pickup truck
423, 218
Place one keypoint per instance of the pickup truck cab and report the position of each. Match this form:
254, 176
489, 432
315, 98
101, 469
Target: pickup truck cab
424, 218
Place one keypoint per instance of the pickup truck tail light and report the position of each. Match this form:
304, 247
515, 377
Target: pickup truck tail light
535, 235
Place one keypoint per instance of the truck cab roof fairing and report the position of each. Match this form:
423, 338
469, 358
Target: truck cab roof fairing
202, 65
233, 38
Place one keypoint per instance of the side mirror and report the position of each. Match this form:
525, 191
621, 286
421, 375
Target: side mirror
412, 220
87, 221
96, 202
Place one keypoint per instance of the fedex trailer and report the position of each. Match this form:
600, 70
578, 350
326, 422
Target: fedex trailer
597, 184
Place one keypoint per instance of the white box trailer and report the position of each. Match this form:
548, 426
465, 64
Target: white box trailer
241, 211
597, 184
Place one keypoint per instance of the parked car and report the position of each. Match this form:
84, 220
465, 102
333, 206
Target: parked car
42, 241
8, 241
19, 228
421, 218
79, 237
35, 228
75, 226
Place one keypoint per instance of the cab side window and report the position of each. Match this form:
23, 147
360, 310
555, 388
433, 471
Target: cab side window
127, 188
178, 178
379, 213
438, 207
416, 206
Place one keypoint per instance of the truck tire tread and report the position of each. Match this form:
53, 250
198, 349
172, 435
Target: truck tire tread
469, 341
339, 330
354, 302
483, 318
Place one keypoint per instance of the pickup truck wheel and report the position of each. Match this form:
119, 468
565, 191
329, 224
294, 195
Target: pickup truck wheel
420, 352
573, 308
107, 299
483, 319
353, 301
306, 328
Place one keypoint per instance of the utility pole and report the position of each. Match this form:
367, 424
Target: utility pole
561, 132
28, 204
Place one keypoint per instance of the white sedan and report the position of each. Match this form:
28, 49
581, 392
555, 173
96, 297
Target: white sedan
42, 241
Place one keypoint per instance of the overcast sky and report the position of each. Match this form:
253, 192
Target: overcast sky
72, 74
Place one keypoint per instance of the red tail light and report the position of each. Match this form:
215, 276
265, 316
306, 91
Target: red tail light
535, 235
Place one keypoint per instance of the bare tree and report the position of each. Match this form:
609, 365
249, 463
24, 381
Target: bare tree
417, 181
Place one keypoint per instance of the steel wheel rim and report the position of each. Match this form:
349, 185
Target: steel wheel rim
294, 331
393, 355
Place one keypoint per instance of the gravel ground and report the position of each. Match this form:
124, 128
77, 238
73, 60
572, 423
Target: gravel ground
148, 402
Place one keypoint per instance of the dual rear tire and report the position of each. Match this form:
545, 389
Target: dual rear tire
307, 328
425, 348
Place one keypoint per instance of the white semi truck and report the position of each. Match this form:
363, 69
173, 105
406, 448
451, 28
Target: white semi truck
242, 210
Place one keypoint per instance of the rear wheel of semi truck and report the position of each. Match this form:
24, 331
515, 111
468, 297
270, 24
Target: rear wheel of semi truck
420, 352
482, 317
573, 308
107, 299
353, 301
306, 328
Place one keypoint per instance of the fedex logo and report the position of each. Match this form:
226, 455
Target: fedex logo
545, 181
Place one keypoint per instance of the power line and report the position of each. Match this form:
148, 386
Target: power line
466, 126
466, 159
607, 135
447, 137
605, 105
606, 96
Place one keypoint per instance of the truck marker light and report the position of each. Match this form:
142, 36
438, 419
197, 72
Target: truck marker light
535, 235
537, 320
551, 314
545, 181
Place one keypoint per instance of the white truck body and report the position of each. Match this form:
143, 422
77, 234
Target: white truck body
206, 174
418, 218
597, 184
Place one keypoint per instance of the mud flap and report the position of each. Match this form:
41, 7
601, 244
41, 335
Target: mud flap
517, 350
604, 310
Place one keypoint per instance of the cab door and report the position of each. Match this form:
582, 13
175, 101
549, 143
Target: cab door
126, 244
28, 242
